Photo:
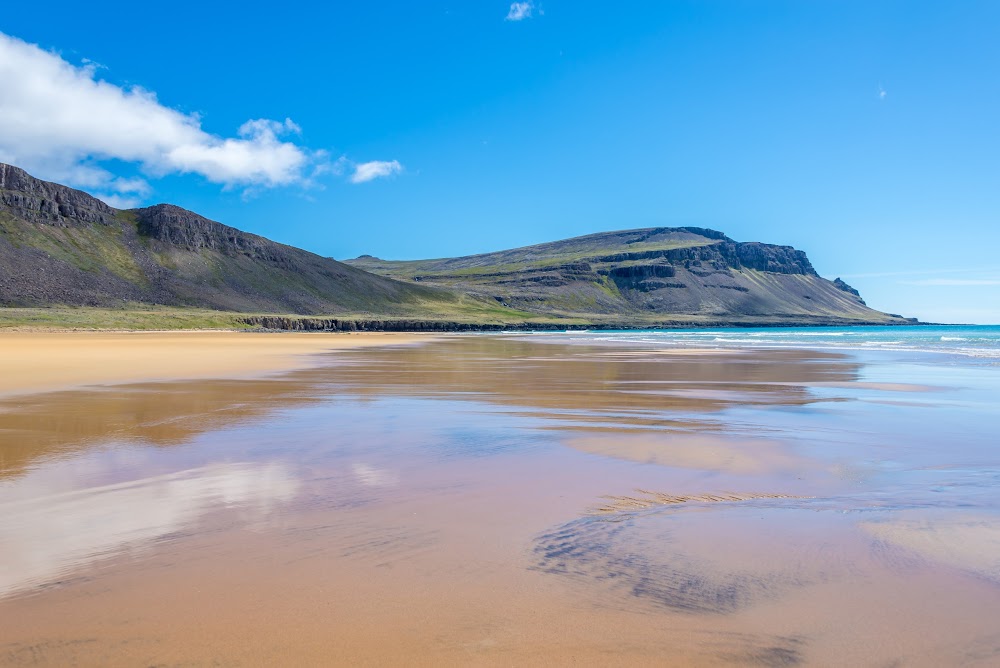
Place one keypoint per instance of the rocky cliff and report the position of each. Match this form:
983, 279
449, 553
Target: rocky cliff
182, 229
62, 246
31, 199
686, 273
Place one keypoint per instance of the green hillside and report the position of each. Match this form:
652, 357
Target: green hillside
682, 274
69, 259
62, 247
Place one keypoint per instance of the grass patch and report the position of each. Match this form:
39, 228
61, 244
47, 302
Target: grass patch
133, 317
136, 317
91, 248
142, 317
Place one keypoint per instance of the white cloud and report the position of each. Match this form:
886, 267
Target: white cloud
520, 11
59, 120
881, 92
376, 169
120, 201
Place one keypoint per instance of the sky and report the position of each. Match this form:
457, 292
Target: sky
862, 132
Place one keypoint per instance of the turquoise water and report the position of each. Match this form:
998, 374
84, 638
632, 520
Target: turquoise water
970, 341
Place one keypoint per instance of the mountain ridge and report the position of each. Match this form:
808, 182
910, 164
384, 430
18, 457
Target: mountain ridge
59, 245
62, 247
672, 272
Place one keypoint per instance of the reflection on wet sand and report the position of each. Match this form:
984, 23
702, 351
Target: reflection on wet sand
51, 528
421, 506
963, 540
706, 452
39, 426
573, 386
574, 382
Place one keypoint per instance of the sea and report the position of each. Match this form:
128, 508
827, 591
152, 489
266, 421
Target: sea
966, 341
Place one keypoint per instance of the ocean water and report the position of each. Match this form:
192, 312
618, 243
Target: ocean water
968, 341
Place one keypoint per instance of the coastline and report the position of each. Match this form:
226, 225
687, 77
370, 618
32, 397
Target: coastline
56, 360
321, 324
162, 318
49, 359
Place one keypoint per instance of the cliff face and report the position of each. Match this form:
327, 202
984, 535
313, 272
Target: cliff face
727, 254
182, 229
38, 201
645, 273
62, 246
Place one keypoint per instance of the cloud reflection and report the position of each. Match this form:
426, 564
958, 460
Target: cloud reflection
968, 541
47, 536
371, 476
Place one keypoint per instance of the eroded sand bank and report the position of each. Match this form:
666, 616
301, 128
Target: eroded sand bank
45, 361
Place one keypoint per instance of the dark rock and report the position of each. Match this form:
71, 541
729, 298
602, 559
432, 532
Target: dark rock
42, 202
183, 229
728, 254
841, 285
641, 271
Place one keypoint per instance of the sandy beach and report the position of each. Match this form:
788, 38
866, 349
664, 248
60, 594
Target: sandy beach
47, 361
488, 500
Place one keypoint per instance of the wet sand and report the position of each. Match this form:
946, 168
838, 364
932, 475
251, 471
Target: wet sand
502, 501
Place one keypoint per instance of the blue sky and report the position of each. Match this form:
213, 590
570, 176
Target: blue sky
864, 133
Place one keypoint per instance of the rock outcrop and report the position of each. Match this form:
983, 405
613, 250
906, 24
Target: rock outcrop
186, 230
39, 201
841, 285
311, 324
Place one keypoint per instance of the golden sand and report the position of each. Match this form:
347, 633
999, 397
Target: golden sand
45, 361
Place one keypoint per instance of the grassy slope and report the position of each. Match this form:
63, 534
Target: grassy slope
91, 249
579, 306
518, 277
146, 317
539, 256
99, 253
111, 265
163, 318
133, 318
201, 283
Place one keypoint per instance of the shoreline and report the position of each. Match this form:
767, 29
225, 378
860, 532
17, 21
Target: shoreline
37, 319
40, 360
321, 324
59, 360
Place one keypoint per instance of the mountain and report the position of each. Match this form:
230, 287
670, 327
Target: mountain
62, 246
679, 274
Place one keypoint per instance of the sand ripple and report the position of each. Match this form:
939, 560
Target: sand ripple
693, 563
647, 499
